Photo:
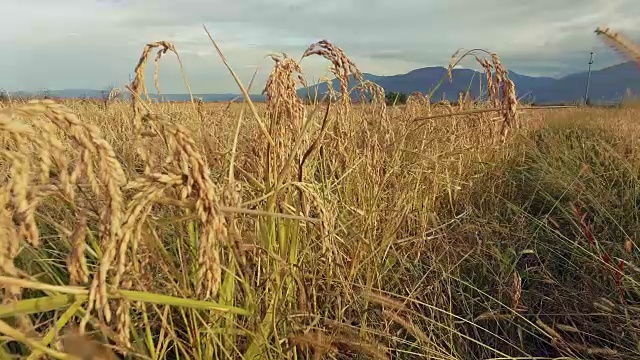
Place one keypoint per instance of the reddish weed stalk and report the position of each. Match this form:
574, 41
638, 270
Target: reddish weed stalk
586, 228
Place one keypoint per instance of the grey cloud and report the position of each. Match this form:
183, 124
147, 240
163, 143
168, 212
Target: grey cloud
543, 37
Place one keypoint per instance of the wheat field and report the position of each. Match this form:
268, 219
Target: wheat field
484, 229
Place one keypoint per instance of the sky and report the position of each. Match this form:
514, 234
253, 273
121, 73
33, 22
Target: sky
93, 44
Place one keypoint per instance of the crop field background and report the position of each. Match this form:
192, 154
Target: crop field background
478, 230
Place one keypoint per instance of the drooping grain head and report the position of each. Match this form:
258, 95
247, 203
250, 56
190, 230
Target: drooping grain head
501, 90
283, 101
620, 43
138, 85
486, 65
342, 67
452, 63
190, 177
138, 88
508, 99
285, 109
32, 182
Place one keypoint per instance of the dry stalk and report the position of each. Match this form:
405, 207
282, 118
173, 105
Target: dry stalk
409, 326
200, 108
516, 291
320, 343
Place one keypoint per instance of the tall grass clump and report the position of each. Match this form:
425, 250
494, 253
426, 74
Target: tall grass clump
318, 229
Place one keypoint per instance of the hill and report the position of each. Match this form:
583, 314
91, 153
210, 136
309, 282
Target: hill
607, 85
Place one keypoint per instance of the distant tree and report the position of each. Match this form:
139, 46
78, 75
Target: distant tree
395, 98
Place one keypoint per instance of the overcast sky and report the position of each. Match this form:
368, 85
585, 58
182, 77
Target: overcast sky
49, 44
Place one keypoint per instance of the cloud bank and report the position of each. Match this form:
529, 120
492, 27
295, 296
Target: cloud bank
94, 44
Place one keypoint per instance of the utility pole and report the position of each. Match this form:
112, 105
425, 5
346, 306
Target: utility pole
586, 91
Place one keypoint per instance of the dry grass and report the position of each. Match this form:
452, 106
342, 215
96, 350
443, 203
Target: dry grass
319, 231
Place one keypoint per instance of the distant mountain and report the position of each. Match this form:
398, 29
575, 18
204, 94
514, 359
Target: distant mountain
606, 85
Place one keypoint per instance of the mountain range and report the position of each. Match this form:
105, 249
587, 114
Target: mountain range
99, 94
607, 85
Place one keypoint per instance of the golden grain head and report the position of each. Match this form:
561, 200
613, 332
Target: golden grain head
620, 43
283, 102
342, 66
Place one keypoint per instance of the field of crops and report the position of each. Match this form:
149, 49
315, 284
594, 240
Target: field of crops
477, 230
